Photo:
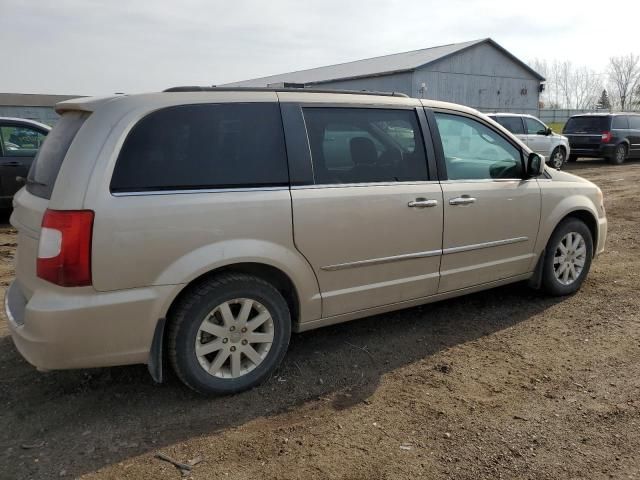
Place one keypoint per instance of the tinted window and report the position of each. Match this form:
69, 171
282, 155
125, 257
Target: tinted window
351, 145
19, 141
474, 151
634, 122
513, 124
595, 124
534, 127
45, 167
620, 121
204, 146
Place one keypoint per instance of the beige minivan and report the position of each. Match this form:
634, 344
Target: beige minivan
204, 225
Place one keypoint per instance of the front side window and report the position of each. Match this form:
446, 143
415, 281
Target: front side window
513, 124
534, 127
19, 141
363, 145
475, 152
204, 146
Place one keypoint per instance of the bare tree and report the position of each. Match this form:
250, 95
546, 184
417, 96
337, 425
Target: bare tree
624, 77
578, 87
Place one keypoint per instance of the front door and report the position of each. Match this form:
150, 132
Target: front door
370, 224
536, 135
491, 215
634, 136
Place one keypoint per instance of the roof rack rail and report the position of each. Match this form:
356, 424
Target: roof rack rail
196, 88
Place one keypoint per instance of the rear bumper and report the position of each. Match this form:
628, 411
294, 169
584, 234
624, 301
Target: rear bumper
597, 151
82, 328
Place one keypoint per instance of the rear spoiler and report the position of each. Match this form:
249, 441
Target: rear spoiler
83, 104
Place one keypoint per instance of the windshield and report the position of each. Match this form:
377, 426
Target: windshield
587, 125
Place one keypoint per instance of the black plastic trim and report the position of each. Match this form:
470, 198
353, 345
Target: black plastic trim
155, 354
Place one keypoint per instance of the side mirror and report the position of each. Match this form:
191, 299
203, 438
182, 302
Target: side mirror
548, 131
535, 165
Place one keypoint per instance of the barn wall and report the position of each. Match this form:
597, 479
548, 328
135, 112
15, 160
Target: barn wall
398, 82
45, 115
481, 77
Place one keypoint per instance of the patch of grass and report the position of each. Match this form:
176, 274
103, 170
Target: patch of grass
556, 126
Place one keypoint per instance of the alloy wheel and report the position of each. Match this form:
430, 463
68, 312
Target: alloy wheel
234, 338
569, 258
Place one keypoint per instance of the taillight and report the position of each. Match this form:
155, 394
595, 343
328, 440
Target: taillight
606, 137
64, 252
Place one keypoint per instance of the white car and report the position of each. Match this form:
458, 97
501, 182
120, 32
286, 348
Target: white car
537, 136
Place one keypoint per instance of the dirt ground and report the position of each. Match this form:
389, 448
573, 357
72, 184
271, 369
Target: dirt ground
502, 384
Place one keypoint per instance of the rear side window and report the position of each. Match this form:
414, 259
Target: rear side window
634, 122
620, 122
202, 146
20, 141
587, 125
365, 145
513, 124
45, 167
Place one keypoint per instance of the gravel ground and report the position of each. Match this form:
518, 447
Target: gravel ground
502, 384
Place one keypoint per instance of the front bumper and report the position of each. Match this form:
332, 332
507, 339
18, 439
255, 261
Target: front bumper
82, 328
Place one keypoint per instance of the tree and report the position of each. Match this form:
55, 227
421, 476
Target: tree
624, 76
567, 85
604, 103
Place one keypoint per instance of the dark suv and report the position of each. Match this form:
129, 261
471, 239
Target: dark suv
614, 136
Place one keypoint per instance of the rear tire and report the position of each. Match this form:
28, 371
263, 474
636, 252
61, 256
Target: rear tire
557, 158
619, 155
228, 334
567, 258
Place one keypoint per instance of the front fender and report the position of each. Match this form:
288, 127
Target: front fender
553, 213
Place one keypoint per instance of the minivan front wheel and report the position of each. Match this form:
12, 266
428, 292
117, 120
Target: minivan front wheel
558, 157
567, 258
619, 155
228, 334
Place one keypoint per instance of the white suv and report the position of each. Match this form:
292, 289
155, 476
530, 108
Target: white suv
537, 136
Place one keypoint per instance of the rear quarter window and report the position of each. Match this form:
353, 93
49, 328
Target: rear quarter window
46, 165
620, 122
204, 146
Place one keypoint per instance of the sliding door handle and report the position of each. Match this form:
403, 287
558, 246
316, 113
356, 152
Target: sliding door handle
464, 200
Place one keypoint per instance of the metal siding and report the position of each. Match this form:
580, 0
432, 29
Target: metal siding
45, 115
399, 82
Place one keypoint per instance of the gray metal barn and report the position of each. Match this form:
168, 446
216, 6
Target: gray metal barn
480, 74
32, 106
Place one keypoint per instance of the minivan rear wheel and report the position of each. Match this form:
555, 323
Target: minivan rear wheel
567, 258
228, 334
619, 155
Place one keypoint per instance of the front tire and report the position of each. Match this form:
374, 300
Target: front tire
558, 157
228, 334
567, 258
619, 155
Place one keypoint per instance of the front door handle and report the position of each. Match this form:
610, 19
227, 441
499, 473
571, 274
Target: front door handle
463, 200
422, 203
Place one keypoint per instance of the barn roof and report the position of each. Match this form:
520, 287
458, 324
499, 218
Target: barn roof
385, 65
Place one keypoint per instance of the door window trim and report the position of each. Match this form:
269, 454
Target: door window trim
440, 158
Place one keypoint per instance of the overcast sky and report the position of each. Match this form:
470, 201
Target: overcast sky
104, 46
